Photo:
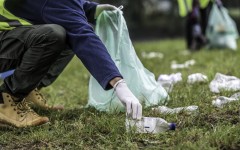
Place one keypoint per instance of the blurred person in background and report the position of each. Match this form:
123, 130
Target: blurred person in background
196, 14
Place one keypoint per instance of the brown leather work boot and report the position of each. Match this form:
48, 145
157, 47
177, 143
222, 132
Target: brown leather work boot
18, 114
36, 98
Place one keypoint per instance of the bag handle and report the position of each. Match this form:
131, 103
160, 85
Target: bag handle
219, 5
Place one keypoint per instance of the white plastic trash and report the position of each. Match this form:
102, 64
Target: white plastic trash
224, 82
150, 55
166, 110
222, 100
174, 77
187, 64
167, 85
236, 96
149, 125
197, 78
167, 81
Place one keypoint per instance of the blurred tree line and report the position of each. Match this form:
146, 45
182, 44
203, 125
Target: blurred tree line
160, 18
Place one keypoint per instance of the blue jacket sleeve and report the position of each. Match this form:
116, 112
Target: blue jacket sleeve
82, 39
90, 9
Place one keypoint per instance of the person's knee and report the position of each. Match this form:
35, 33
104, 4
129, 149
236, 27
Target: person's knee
57, 32
49, 38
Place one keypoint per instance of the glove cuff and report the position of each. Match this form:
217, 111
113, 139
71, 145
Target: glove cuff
118, 82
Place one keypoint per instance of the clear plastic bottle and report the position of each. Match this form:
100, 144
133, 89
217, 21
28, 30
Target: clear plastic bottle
149, 125
166, 110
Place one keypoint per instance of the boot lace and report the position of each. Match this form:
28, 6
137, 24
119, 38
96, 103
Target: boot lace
22, 108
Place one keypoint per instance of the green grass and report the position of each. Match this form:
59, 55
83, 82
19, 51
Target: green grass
85, 128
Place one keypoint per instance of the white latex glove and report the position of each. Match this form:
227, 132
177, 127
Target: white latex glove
103, 7
133, 106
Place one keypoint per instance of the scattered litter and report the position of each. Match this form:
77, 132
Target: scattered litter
168, 86
197, 78
150, 55
222, 100
224, 82
174, 77
166, 110
167, 81
187, 64
149, 125
236, 95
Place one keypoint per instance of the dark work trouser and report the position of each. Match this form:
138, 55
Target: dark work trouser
190, 22
31, 51
57, 68
204, 17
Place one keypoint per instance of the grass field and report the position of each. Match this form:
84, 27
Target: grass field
80, 128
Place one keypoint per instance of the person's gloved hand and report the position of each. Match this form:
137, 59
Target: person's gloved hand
133, 106
102, 7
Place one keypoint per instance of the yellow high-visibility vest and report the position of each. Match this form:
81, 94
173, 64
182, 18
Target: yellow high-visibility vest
185, 6
204, 3
8, 21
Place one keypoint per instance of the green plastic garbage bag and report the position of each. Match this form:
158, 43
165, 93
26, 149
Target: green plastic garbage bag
112, 30
221, 30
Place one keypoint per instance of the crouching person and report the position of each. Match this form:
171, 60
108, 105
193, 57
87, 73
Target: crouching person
35, 51
30, 50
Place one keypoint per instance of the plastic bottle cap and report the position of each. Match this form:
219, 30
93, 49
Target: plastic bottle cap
172, 126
